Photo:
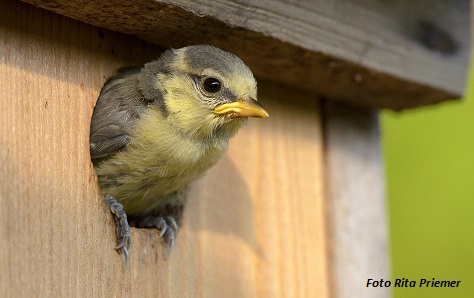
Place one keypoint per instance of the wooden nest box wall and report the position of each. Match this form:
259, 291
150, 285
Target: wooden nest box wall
303, 216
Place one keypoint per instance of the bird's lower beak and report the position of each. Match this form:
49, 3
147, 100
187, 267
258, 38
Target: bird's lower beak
242, 108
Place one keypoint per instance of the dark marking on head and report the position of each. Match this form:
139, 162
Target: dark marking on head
223, 96
227, 96
148, 76
201, 57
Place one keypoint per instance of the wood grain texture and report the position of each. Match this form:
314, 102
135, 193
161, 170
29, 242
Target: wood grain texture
357, 225
368, 53
254, 225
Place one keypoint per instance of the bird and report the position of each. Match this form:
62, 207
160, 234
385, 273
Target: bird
159, 127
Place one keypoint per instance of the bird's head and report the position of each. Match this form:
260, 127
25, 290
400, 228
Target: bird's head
205, 92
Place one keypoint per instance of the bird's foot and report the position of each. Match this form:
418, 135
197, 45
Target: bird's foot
166, 224
123, 228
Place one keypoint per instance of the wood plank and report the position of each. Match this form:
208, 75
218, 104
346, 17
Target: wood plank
356, 207
368, 53
254, 225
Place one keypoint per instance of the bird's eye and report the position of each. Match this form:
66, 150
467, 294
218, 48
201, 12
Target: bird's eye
211, 85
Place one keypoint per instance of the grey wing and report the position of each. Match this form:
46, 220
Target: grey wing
119, 105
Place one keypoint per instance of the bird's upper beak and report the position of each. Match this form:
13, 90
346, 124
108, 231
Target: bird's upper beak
242, 108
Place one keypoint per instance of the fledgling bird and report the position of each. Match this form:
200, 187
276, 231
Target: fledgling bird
158, 127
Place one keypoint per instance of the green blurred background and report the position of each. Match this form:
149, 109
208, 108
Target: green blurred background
429, 161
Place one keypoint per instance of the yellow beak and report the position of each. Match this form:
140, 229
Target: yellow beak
242, 108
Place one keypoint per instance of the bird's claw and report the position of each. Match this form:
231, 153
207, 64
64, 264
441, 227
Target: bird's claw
123, 228
169, 231
165, 224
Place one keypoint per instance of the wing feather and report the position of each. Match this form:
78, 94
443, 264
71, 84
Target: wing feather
119, 105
